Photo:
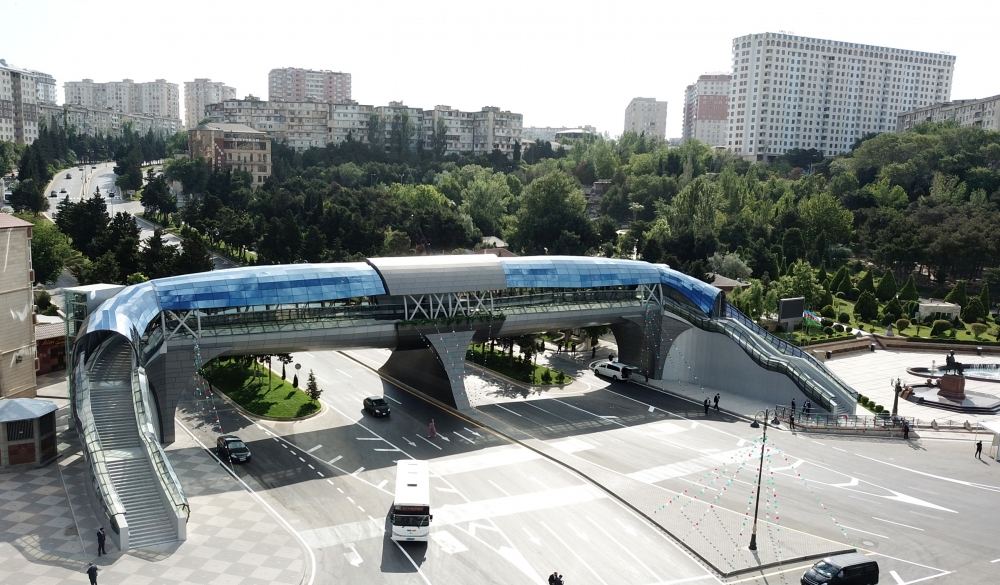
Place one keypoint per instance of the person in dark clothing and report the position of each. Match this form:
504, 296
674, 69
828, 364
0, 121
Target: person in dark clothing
101, 538
553, 577
793, 405
791, 420
906, 430
979, 449
706, 407
92, 573
716, 401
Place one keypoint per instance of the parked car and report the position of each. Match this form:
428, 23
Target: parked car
93, 166
53, 194
376, 406
63, 190
79, 169
232, 448
845, 569
613, 370
69, 176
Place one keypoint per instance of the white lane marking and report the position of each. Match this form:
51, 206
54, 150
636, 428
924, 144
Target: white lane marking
506, 493
572, 445
651, 409
795, 465
429, 443
382, 483
331, 482
839, 449
343, 373
386, 450
995, 561
275, 439
686, 580
472, 431
370, 439
391, 398
335, 459
357, 471
353, 557
310, 465
508, 410
360, 508
573, 552
340, 490
701, 485
603, 529
897, 523
350, 499
314, 449
470, 441
447, 542
897, 578
320, 473
447, 490
409, 442
302, 460
495, 457
941, 477
281, 520
865, 531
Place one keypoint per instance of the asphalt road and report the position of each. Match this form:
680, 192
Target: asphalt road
926, 510
502, 513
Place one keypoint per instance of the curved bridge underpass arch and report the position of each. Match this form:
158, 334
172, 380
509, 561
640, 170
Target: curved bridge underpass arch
138, 350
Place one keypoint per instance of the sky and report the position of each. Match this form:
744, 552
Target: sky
559, 63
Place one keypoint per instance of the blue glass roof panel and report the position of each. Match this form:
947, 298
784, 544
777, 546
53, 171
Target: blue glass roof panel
576, 272
702, 294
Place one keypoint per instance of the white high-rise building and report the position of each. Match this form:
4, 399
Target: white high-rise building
706, 109
201, 92
792, 92
291, 84
647, 116
22, 92
155, 98
982, 113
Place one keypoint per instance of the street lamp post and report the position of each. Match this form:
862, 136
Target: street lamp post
760, 471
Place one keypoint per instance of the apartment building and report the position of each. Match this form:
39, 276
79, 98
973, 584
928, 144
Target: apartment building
706, 109
17, 312
98, 121
791, 92
300, 125
647, 116
22, 91
155, 98
232, 146
201, 92
982, 113
291, 84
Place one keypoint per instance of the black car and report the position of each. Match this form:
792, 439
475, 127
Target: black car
63, 190
232, 448
376, 406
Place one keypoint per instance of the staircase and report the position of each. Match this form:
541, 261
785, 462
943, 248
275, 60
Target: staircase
131, 472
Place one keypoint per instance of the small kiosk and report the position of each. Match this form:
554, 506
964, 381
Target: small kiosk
993, 449
27, 432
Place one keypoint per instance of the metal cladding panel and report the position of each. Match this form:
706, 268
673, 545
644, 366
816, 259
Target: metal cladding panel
576, 272
440, 274
268, 285
701, 294
127, 313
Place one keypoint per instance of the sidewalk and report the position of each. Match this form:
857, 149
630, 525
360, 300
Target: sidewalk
47, 526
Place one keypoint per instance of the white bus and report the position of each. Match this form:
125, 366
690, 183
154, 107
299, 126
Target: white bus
411, 507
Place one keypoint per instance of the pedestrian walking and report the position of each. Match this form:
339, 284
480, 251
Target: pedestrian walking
706, 407
906, 430
432, 430
593, 352
553, 578
559, 579
979, 449
793, 405
716, 401
791, 421
807, 408
92, 573
101, 538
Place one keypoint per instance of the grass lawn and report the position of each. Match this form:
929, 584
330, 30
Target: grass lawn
248, 387
923, 331
513, 367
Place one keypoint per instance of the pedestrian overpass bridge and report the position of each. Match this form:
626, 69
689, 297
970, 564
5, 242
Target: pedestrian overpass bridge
137, 349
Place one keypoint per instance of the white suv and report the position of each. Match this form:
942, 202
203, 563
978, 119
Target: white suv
613, 370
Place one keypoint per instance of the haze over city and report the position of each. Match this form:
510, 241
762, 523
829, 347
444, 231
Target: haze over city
558, 63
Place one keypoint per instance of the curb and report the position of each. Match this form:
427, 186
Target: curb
252, 416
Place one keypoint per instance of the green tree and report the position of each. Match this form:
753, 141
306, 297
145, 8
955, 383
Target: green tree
395, 242
792, 245
156, 197
29, 195
823, 216
984, 295
866, 308
886, 287
51, 250
129, 169
978, 329
958, 295
730, 265
136, 278
312, 387
553, 217
909, 290
439, 140
121, 238
194, 256
485, 200
867, 282
799, 282
974, 311
157, 257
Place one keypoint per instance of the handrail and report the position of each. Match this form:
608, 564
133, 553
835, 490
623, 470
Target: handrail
751, 344
168, 480
91, 442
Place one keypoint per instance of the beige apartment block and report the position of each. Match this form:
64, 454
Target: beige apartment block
17, 323
299, 125
982, 113
200, 93
291, 84
791, 92
232, 146
97, 121
647, 116
706, 110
